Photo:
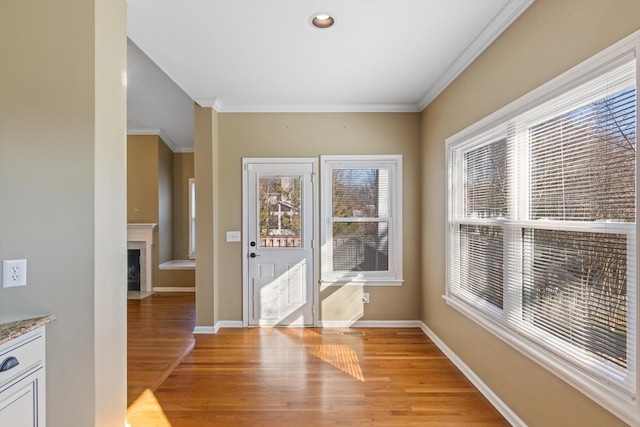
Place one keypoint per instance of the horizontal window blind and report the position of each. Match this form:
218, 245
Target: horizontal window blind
482, 259
575, 289
360, 193
583, 162
542, 223
361, 215
361, 246
582, 173
486, 181
362, 219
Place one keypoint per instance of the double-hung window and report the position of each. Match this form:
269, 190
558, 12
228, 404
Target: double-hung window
542, 209
192, 218
361, 226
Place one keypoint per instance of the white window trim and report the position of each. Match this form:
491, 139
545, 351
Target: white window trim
192, 219
620, 403
394, 276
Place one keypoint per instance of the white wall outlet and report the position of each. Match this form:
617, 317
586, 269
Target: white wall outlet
365, 298
14, 273
233, 236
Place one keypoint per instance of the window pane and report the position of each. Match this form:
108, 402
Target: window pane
361, 246
279, 211
575, 288
360, 193
486, 181
583, 162
192, 216
481, 249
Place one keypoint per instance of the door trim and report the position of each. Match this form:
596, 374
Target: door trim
245, 229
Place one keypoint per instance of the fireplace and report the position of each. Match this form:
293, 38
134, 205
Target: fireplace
133, 270
140, 238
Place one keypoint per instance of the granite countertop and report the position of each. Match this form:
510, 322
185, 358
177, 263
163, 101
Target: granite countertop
12, 330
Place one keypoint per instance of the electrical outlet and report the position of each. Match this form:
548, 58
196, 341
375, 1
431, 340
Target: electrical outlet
365, 298
14, 273
233, 236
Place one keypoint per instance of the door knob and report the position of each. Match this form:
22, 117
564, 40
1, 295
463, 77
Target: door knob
253, 255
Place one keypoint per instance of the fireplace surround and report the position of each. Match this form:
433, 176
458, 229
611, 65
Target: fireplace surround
140, 236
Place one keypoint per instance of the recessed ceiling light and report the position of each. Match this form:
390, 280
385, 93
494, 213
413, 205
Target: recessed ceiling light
322, 20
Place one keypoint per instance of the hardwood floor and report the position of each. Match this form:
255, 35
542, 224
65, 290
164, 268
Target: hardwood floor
309, 377
159, 336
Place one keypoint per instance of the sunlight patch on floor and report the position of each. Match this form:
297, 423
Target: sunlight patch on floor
339, 356
146, 411
301, 333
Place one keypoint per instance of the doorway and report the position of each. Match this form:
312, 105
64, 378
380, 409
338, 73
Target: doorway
279, 253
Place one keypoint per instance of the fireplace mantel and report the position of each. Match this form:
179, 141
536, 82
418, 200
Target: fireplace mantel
140, 236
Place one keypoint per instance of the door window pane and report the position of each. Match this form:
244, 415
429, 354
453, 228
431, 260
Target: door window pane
279, 201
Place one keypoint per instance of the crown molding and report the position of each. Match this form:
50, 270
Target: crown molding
212, 102
507, 15
217, 105
162, 134
184, 150
336, 108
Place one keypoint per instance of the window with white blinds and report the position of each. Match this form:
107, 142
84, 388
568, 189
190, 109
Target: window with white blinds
361, 219
542, 227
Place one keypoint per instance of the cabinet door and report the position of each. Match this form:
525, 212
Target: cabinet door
19, 403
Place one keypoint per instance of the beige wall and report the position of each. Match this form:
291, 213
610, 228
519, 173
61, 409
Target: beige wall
151, 191
142, 178
62, 167
165, 203
205, 164
110, 328
182, 171
310, 135
548, 39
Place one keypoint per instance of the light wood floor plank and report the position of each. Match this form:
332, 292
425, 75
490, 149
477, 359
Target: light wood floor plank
276, 377
159, 336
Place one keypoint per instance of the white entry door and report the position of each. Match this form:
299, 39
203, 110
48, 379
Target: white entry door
279, 235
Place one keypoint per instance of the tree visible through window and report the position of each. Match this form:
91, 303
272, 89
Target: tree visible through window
280, 211
362, 217
542, 226
360, 244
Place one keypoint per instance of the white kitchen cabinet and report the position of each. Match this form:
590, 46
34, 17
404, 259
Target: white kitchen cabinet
22, 380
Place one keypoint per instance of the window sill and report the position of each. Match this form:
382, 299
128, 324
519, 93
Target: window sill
362, 282
178, 264
621, 404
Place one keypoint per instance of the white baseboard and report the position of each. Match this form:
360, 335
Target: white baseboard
370, 324
220, 324
173, 289
204, 330
493, 398
229, 324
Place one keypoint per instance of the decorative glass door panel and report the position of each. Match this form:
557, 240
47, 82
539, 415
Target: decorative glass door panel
279, 198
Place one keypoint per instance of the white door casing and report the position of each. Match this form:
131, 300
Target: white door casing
279, 229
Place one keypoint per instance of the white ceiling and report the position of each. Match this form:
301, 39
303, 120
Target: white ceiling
264, 55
